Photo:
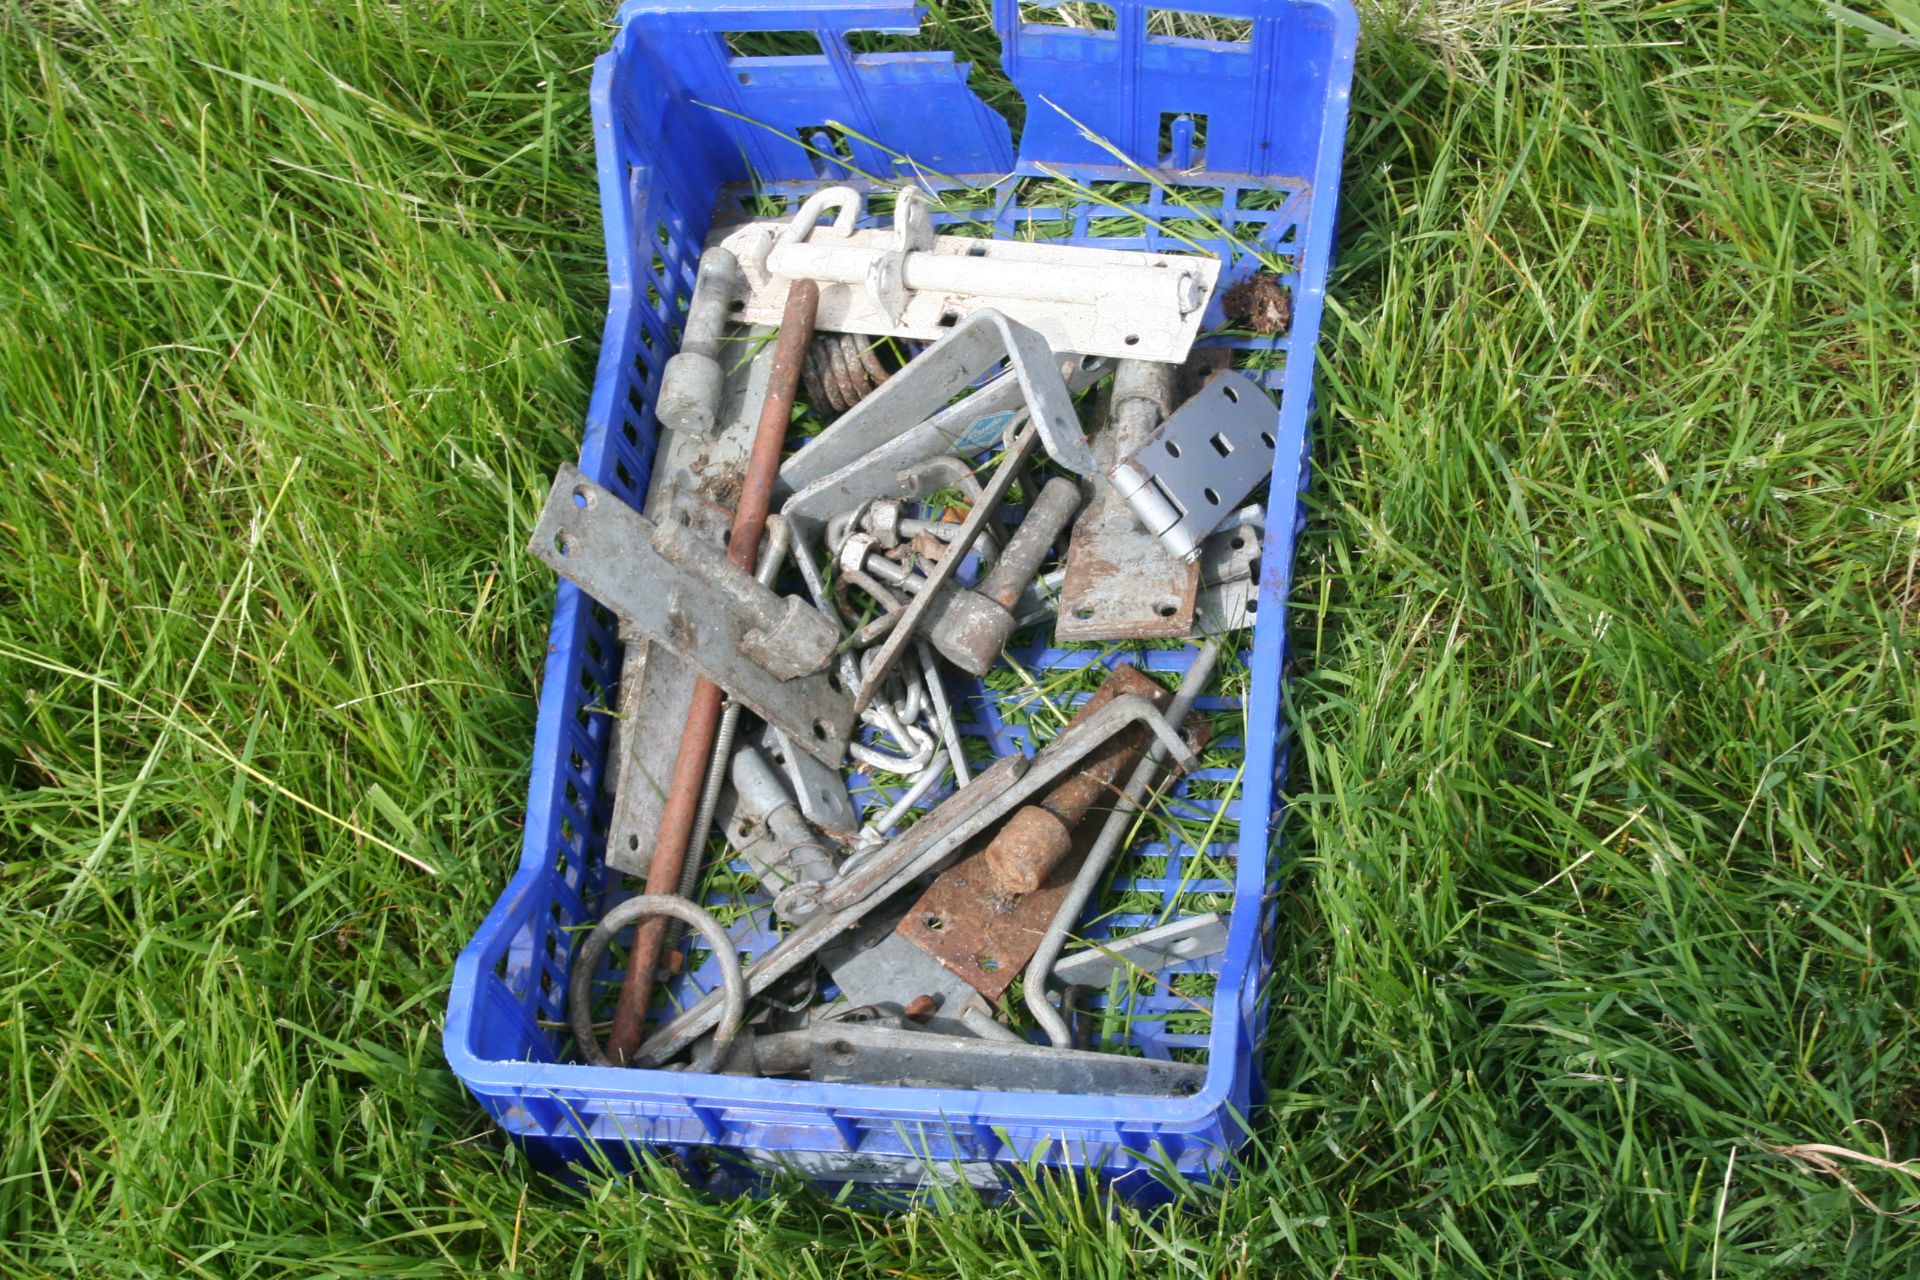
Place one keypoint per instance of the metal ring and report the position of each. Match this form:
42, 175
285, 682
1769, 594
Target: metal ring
733, 982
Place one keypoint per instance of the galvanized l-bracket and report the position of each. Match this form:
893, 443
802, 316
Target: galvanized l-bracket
766, 650
973, 347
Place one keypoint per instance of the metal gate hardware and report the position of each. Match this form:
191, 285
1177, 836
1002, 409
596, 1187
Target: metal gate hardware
971, 626
889, 453
656, 688
689, 473
1119, 821
819, 789
692, 382
714, 465
593, 949
977, 1018
1122, 582
983, 916
773, 553
766, 650
854, 1054
1229, 578
974, 346
693, 758
1038, 837
944, 570
1146, 951
864, 882
909, 282
767, 830
1194, 471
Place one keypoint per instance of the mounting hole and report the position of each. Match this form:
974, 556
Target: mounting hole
1253, 604
934, 923
1173, 450
779, 757
1266, 438
1132, 339
1213, 499
841, 1052
633, 844
581, 498
738, 304
948, 319
989, 963
1238, 542
1166, 610
563, 544
976, 251
1233, 397
1083, 612
822, 730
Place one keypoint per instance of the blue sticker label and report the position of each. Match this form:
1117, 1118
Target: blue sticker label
982, 432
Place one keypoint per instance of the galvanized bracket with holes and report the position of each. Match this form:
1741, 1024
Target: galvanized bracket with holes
1230, 576
973, 347
764, 649
908, 282
1146, 951
859, 1054
1193, 472
864, 882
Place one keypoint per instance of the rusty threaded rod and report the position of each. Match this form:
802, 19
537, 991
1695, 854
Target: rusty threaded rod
703, 717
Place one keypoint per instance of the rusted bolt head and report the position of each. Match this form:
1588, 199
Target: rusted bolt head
1029, 847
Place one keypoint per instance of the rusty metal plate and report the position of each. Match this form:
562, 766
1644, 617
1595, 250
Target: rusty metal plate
981, 936
967, 920
1122, 582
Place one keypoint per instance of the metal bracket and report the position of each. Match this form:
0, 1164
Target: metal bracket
910, 283
888, 463
1194, 471
1148, 950
1122, 583
819, 789
764, 649
856, 1054
1230, 577
971, 348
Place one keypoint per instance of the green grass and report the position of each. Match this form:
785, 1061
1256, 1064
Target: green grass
1605, 807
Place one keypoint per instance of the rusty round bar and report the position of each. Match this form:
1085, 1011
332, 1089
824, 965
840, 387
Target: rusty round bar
703, 717
1036, 838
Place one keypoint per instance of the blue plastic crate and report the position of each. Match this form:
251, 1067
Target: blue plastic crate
1244, 136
